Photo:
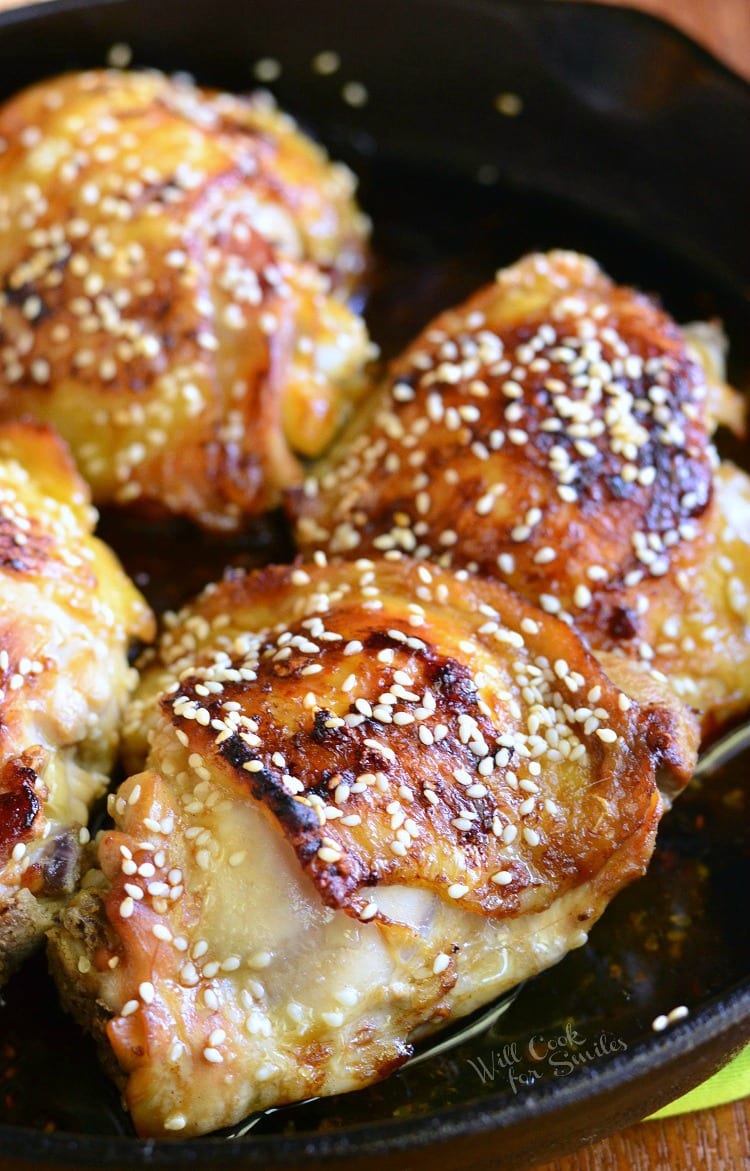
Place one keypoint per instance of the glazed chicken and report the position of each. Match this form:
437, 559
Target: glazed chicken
68, 614
174, 264
555, 432
376, 795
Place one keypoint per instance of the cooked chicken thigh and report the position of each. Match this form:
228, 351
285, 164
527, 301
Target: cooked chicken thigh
554, 432
376, 795
172, 265
67, 616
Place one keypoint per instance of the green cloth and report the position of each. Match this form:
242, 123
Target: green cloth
728, 1085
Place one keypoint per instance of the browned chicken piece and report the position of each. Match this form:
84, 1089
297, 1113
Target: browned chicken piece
173, 263
376, 796
554, 432
67, 617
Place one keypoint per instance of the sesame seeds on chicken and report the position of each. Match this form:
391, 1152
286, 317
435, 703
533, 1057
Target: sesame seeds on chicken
417, 787
67, 616
173, 269
554, 432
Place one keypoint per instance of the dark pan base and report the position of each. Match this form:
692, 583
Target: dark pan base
632, 145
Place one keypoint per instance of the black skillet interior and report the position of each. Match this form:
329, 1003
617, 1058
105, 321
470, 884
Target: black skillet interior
620, 138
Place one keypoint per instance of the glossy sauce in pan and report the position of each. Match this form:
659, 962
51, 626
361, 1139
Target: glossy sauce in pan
671, 939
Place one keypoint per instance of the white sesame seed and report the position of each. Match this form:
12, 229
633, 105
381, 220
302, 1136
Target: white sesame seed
328, 854
146, 992
354, 94
326, 63
441, 963
333, 1019
457, 890
267, 69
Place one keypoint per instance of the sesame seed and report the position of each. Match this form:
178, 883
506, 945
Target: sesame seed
333, 1019
441, 963
326, 63
267, 69
328, 854
457, 890
146, 992
354, 94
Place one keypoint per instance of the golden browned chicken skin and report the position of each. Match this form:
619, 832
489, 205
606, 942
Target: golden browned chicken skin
554, 432
376, 795
67, 616
172, 267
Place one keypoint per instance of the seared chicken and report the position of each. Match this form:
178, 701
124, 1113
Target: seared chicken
67, 616
173, 263
554, 432
376, 795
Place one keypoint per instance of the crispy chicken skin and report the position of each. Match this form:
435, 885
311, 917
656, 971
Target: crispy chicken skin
173, 263
67, 616
376, 795
554, 432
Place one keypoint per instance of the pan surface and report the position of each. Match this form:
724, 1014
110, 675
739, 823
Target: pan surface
479, 130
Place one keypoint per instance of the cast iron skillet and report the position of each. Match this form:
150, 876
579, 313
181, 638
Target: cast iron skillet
631, 143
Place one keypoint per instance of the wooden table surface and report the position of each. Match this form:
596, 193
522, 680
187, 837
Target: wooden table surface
719, 1139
